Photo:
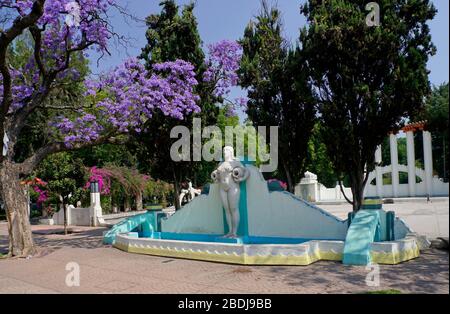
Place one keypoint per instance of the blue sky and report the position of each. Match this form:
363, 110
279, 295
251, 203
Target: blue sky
226, 19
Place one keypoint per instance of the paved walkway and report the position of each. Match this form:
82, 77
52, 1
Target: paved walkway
107, 270
426, 218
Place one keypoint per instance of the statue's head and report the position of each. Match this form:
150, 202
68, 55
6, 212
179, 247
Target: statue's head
228, 153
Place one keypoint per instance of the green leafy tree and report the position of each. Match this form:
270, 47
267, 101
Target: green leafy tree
65, 177
436, 115
107, 154
318, 161
278, 90
367, 79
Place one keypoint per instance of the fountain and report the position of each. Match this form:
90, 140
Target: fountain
242, 220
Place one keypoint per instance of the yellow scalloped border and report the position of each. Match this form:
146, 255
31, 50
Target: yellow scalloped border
390, 258
393, 258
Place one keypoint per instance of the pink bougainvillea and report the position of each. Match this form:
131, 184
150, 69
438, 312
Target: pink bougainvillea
130, 179
38, 186
102, 177
43, 195
281, 183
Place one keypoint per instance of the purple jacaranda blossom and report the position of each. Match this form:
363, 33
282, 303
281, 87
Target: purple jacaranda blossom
223, 63
242, 102
129, 97
58, 36
122, 100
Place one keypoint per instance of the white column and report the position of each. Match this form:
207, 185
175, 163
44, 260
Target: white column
315, 186
411, 163
95, 208
428, 159
378, 155
394, 163
379, 176
69, 214
28, 201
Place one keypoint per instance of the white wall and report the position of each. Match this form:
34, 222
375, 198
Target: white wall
270, 214
91, 216
204, 215
75, 216
280, 214
439, 188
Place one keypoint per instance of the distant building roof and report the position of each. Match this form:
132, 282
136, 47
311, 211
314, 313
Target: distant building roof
415, 126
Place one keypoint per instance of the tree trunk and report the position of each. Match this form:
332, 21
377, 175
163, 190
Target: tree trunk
14, 196
65, 217
291, 187
177, 191
127, 206
358, 184
139, 203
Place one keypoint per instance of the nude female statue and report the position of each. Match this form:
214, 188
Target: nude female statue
228, 175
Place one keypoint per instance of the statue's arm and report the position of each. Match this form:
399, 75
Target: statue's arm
215, 176
240, 174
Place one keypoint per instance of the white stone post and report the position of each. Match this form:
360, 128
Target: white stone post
394, 163
378, 155
428, 159
411, 163
379, 176
28, 201
68, 214
315, 187
95, 208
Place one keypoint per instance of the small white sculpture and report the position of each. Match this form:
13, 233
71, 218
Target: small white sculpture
228, 175
5, 144
187, 195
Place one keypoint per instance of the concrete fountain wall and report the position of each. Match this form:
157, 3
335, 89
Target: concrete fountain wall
276, 228
263, 213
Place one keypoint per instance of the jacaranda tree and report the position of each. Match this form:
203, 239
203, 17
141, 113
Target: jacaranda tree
173, 34
121, 102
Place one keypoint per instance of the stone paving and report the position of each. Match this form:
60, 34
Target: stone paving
426, 218
107, 270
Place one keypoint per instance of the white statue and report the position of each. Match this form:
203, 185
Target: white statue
228, 175
187, 195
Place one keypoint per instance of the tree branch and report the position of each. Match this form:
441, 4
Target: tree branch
37, 99
6, 38
343, 193
36, 33
26, 167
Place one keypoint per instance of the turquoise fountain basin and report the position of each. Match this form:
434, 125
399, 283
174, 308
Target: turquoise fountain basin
219, 238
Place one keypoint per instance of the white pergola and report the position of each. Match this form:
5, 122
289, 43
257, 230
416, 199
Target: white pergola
409, 130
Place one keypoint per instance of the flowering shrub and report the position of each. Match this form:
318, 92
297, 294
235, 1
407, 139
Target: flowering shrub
38, 186
130, 179
276, 185
102, 177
